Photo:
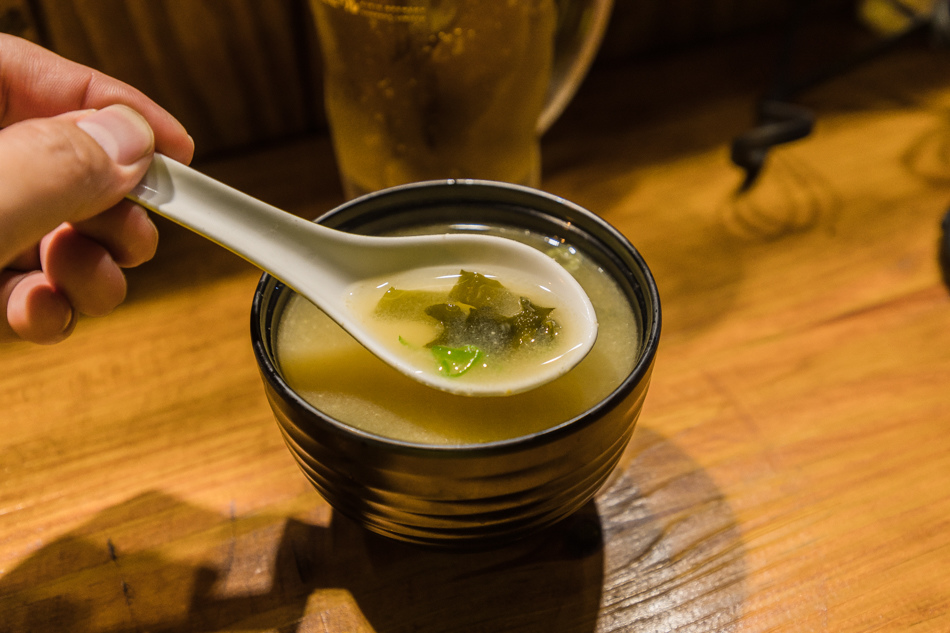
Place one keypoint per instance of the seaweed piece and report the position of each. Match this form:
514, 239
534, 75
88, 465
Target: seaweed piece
532, 324
479, 291
455, 361
490, 331
479, 317
409, 305
481, 327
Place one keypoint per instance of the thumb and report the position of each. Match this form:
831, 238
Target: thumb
66, 169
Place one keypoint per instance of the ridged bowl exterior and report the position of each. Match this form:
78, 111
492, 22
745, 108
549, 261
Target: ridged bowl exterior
480, 494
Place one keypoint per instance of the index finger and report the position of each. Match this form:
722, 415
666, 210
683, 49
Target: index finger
37, 83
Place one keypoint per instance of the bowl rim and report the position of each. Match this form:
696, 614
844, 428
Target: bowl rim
641, 371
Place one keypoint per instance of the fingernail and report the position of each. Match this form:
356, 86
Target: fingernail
121, 131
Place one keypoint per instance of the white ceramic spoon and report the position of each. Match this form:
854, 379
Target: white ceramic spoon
324, 265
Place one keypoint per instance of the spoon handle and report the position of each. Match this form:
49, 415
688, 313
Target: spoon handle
270, 238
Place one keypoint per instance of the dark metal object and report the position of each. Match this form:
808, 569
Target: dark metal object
469, 495
779, 120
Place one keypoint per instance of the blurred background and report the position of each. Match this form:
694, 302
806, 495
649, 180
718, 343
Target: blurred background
241, 73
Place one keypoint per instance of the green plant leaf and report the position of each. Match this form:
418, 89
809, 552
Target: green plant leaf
455, 361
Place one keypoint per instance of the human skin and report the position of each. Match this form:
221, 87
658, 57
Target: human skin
73, 143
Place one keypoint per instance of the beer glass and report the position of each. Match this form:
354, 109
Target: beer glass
432, 89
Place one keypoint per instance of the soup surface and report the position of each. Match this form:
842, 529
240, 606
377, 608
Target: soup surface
337, 375
468, 327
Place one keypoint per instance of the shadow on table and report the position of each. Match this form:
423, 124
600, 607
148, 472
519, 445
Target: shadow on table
658, 550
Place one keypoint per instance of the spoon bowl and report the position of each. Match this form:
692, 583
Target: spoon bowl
327, 266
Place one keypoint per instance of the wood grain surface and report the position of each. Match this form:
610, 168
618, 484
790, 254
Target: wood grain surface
790, 472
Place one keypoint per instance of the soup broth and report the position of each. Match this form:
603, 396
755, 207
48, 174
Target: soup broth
468, 326
335, 374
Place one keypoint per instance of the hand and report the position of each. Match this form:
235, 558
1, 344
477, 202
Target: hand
73, 142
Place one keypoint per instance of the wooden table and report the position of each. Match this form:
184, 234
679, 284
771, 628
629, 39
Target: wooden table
790, 472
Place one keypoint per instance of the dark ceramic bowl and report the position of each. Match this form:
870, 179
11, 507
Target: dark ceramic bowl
480, 493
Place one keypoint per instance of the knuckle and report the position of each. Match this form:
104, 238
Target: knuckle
76, 168
77, 158
85, 273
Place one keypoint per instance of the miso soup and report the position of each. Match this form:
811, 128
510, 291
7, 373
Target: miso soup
335, 374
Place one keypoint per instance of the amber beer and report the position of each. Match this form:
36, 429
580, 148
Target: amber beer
429, 89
